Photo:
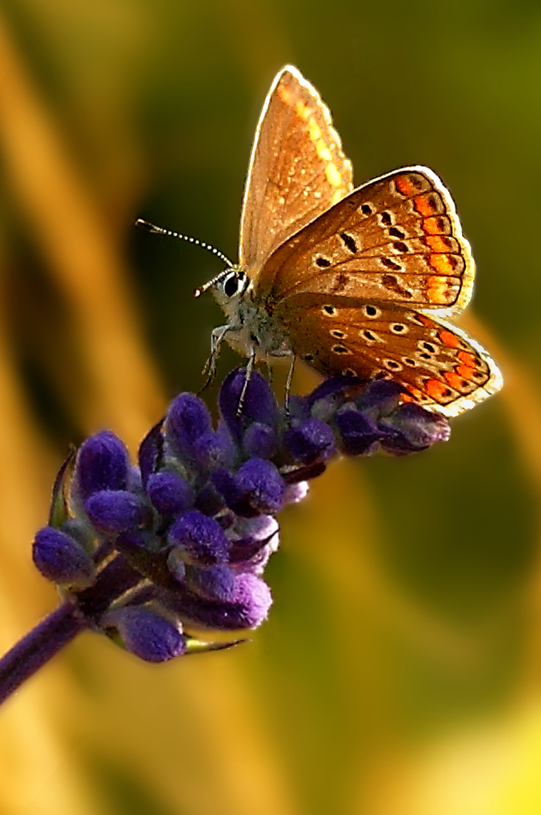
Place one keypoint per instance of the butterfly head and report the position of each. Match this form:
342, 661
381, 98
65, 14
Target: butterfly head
232, 289
228, 287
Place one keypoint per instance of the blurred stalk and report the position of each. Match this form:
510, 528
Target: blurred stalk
26, 473
523, 401
124, 393
28, 745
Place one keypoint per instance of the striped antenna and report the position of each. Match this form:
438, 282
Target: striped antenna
159, 230
206, 286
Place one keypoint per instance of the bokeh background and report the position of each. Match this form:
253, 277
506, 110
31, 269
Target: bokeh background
400, 670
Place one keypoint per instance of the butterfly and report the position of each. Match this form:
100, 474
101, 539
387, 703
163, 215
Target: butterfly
358, 282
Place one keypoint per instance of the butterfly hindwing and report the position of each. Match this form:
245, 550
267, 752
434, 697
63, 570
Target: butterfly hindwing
297, 169
396, 239
441, 366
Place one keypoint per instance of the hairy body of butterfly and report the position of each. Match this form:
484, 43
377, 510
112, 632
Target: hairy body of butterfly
357, 282
252, 329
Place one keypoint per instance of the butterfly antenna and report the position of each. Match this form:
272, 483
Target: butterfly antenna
159, 230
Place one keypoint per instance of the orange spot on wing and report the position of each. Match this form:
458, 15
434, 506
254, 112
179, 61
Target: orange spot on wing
332, 174
424, 205
424, 320
417, 394
303, 111
437, 243
468, 359
285, 94
465, 372
432, 226
450, 339
437, 288
453, 379
442, 263
437, 390
404, 185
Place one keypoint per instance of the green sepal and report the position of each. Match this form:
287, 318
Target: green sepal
194, 646
59, 512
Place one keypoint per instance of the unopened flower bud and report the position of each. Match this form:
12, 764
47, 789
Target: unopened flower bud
115, 511
61, 559
102, 464
200, 540
146, 633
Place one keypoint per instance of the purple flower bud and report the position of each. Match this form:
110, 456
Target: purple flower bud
187, 419
214, 449
170, 493
312, 440
61, 559
199, 539
247, 608
359, 435
146, 633
380, 397
261, 487
413, 428
226, 484
214, 583
259, 401
102, 464
114, 511
330, 395
252, 599
260, 440
151, 451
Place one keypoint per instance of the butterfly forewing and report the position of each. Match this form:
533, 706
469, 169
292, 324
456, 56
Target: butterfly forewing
297, 169
396, 239
439, 365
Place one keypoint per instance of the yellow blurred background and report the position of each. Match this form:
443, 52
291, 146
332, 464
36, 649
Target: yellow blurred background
400, 670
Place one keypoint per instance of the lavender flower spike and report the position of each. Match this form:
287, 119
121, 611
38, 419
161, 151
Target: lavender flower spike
143, 554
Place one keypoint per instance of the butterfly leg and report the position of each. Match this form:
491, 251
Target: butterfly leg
247, 376
209, 369
289, 381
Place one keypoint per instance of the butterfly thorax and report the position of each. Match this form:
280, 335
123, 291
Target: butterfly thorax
251, 330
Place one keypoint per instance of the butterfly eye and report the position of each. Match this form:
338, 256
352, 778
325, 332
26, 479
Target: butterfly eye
235, 283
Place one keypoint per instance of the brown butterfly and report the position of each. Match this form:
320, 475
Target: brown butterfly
353, 281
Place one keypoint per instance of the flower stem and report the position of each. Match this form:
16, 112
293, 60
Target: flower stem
76, 614
38, 646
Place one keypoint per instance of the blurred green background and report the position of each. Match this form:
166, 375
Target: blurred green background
400, 670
